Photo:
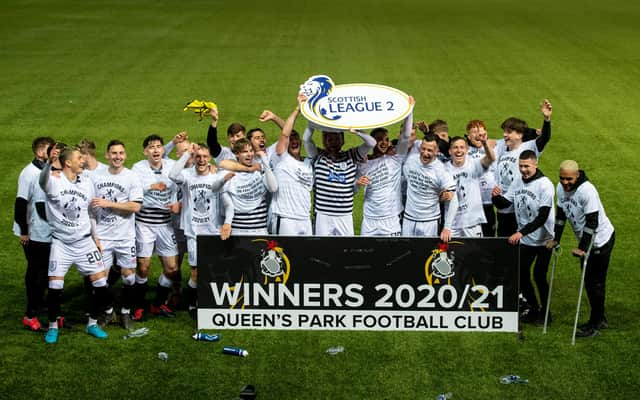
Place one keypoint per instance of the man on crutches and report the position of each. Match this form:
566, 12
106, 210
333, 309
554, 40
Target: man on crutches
579, 202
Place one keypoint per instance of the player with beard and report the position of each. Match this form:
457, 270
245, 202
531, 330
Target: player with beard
467, 172
507, 153
532, 200
428, 182
291, 203
201, 206
248, 191
118, 196
74, 239
334, 182
154, 232
382, 177
30, 225
579, 202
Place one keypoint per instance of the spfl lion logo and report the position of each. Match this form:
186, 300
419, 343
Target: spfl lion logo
317, 88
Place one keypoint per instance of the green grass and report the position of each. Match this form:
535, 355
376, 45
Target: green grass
124, 69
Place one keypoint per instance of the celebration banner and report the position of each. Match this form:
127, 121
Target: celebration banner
357, 283
331, 107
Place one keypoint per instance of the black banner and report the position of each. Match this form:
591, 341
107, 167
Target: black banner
357, 283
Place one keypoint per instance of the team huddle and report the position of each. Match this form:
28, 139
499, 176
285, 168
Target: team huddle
109, 220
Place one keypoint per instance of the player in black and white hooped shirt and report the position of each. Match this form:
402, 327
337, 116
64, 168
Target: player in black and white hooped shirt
579, 203
476, 134
532, 199
154, 232
291, 203
118, 196
467, 172
335, 173
248, 191
507, 153
33, 230
428, 182
381, 176
201, 206
74, 239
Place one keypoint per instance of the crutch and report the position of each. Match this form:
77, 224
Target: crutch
555, 250
584, 271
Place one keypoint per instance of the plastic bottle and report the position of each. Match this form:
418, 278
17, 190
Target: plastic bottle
444, 396
163, 356
205, 337
509, 379
334, 350
235, 351
137, 333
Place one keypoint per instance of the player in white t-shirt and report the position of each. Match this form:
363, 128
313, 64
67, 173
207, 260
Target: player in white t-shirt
31, 227
74, 239
428, 182
467, 172
381, 175
476, 134
248, 191
532, 199
291, 203
201, 206
579, 202
118, 196
154, 232
507, 153
89, 162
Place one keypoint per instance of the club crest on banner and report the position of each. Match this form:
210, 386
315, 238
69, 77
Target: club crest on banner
332, 107
441, 263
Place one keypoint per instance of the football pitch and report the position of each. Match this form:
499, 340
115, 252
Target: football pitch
124, 69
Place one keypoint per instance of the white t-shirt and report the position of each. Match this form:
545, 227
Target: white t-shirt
470, 212
29, 189
488, 178
248, 193
424, 185
120, 188
68, 207
527, 198
295, 182
90, 173
579, 202
383, 195
201, 202
155, 202
507, 165
225, 154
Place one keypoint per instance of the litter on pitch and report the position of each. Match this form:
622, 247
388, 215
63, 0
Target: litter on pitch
137, 333
335, 350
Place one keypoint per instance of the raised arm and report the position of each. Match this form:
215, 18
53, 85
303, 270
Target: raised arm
176, 172
405, 136
212, 134
287, 128
307, 141
268, 115
489, 154
178, 138
367, 146
545, 136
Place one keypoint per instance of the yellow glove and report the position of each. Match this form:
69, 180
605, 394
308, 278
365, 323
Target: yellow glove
200, 107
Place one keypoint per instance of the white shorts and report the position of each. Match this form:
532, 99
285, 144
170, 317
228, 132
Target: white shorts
470, 231
334, 225
83, 253
123, 252
292, 227
192, 250
158, 238
420, 228
381, 227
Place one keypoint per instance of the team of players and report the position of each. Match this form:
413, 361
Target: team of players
99, 216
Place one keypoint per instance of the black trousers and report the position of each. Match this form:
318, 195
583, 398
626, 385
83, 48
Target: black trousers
507, 224
36, 279
541, 255
596, 276
489, 227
